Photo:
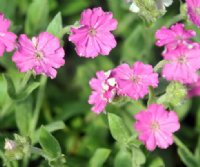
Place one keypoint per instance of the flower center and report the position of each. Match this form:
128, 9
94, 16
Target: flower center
155, 126
92, 32
197, 11
182, 60
135, 79
39, 55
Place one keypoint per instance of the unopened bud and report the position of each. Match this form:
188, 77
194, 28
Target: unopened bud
9, 144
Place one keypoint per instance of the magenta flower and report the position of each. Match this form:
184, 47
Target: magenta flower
173, 37
93, 37
182, 66
194, 89
135, 81
7, 38
103, 91
156, 126
42, 54
193, 10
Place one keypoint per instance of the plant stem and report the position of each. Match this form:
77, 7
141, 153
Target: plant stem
39, 102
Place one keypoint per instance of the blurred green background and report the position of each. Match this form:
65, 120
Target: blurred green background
66, 96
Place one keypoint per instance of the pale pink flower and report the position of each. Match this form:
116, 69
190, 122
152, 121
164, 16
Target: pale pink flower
135, 81
194, 89
93, 37
193, 10
7, 38
182, 66
42, 54
173, 37
156, 126
103, 91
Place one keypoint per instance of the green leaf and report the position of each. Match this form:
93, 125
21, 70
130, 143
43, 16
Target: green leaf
8, 7
138, 157
10, 86
23, 94
55, 26
152, 96
99, 157
23, 117
49, 143
37, 17
157, 162
197, 151
123, 159
74, 6
52, 127
118, 129
27, 91
186, 156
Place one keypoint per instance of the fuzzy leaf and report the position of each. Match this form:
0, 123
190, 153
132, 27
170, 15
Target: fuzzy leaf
55, 26
99, 157
118, 129
49, 143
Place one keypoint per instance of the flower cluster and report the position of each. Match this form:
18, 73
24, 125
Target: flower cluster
182, 56
124, 80
43, 54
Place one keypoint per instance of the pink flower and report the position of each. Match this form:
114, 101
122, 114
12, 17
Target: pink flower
173, 37
42, 54
103, 91
7, 38
182, 65
93, 37
194, 89
134, 81
193, 10
156, 126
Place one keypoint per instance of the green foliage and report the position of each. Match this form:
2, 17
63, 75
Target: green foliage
20, 94
37, 17
123, 158
99, 157
138, 157
49, 144
55, 26
186, 156
118, 128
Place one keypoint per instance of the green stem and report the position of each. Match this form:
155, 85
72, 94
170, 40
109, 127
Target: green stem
39, 102
66, 30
